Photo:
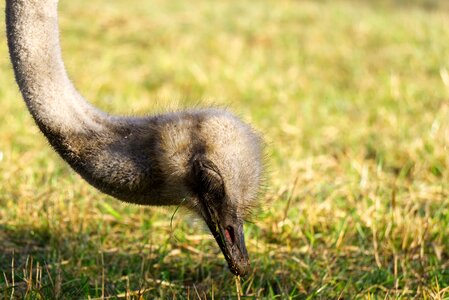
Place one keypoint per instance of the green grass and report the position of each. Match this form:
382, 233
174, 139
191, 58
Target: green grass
352, 98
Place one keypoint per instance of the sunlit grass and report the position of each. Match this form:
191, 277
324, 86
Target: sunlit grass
352, 98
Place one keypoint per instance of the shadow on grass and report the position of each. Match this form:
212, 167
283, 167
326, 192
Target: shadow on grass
34, 262
38, 263
426, 5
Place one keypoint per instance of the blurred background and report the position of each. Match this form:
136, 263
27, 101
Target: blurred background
352, 99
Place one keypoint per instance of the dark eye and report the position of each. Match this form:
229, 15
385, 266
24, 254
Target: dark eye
208, 179
212, 183
217, 191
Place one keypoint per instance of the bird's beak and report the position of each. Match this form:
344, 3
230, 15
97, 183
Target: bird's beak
231, 240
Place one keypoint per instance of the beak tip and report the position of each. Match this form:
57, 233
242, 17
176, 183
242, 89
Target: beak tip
240, 270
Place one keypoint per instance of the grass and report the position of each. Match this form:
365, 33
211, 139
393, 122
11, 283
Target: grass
352, 98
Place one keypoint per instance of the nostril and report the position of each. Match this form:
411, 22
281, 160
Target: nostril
230, 235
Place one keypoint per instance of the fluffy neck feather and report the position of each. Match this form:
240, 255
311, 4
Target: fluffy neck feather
117, 155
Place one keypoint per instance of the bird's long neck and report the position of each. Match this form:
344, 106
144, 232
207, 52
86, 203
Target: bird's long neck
117, 155
33, 40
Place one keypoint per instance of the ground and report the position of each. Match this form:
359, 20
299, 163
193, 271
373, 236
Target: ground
352, 98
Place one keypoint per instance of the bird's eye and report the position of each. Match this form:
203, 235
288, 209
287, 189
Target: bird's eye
213, 188
208, 179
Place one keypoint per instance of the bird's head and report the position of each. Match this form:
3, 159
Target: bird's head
225, 180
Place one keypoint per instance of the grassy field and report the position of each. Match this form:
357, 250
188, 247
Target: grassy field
352, 98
